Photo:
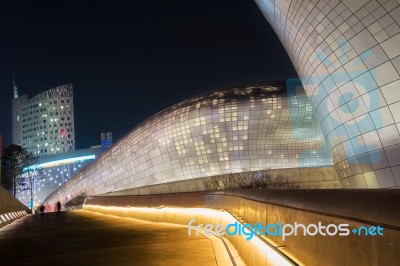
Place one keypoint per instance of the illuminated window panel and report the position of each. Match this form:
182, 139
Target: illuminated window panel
347, 56
209, 143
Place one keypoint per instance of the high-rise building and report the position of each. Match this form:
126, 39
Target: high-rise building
44, 123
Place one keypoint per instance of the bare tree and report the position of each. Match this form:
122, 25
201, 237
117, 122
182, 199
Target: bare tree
32, 170
248, 180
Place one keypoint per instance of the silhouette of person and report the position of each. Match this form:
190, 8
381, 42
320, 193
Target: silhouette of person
58, 206
41, 209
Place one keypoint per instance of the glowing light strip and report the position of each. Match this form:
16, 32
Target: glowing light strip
179, 215
59, 162
6, 217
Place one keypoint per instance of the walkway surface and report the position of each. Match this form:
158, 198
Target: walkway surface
86, 238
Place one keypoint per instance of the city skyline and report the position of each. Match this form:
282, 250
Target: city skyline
119, 58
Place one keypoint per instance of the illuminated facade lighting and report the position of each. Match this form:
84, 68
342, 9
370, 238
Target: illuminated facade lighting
52, 172
61, 162
347, 55
248, 128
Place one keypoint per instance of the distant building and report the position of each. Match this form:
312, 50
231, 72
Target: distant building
52, 172
44, 123
106, 141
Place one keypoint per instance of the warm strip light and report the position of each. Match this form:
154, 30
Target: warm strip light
11, 216
202, 215
60, 162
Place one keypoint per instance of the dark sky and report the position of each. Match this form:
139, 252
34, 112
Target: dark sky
128, 62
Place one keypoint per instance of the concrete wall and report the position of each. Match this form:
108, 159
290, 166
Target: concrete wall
310, 178
356, 208
10, 208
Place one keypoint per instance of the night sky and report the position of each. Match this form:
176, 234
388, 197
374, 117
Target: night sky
127, 62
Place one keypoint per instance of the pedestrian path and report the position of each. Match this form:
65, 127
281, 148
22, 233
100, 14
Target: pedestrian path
86, 238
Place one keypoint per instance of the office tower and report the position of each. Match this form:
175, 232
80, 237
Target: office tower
44, 123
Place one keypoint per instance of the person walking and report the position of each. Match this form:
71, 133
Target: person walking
58, 206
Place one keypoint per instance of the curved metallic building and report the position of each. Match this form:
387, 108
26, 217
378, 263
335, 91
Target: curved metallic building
346, 54
240, 129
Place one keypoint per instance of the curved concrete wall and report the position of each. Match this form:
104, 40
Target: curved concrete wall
346, 54
303, 178
247, 128
340, 206
10, 208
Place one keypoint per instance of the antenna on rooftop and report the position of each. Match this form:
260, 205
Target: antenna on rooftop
15, 88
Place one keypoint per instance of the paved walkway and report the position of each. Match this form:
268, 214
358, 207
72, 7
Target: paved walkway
86, 238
